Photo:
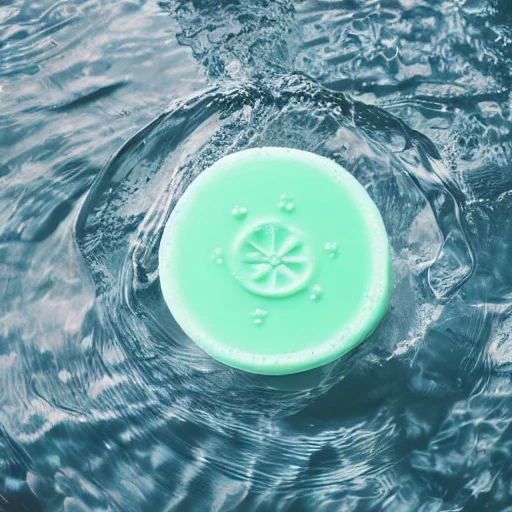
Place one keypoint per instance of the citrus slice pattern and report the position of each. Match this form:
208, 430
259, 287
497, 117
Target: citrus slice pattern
272, 259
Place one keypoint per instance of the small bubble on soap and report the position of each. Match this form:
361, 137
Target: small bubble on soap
218, 256
332, 249
316, 293
239, 211
286, 203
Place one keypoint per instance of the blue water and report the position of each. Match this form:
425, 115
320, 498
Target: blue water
108, 110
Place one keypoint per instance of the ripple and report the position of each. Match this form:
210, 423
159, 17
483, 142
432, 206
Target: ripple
107, 404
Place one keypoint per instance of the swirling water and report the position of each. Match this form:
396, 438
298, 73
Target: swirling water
108, 110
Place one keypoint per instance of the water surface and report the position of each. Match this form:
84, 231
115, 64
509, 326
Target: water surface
108, 110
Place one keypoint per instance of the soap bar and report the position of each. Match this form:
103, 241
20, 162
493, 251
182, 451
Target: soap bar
275, 261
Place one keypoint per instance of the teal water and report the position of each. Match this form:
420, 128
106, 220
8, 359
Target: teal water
108, 110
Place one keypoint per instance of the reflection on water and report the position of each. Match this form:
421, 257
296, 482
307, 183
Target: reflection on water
108, 111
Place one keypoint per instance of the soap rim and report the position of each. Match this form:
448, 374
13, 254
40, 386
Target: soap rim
360, 326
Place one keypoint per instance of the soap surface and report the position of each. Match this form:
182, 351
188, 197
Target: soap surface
275, 261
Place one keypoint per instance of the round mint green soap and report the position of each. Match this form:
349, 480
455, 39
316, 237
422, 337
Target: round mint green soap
275, 261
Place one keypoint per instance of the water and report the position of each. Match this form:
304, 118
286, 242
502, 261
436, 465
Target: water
108, 110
